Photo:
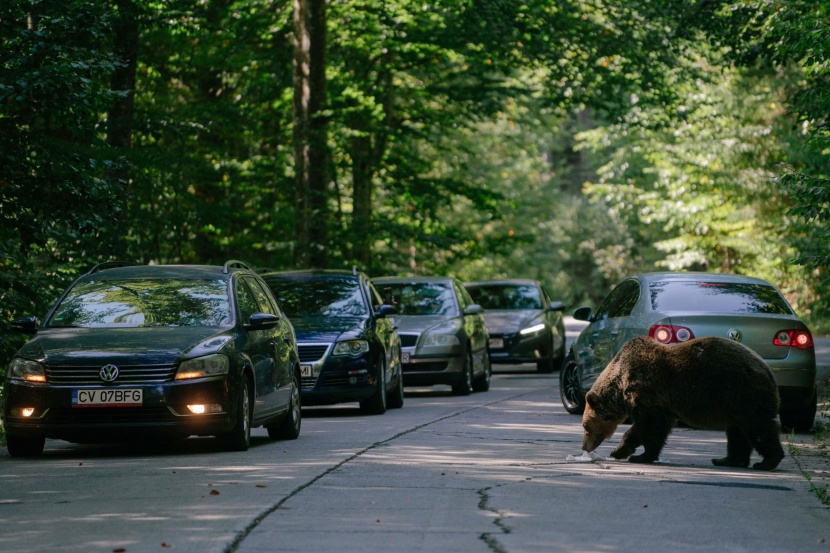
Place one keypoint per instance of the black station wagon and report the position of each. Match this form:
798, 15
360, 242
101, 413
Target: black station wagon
155, 351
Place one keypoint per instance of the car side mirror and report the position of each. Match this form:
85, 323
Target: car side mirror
584, 314
385, 310
556, 306
262, 321
474, 309
26, 325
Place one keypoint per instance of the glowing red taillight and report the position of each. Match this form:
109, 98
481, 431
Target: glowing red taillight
798, 338
670, 334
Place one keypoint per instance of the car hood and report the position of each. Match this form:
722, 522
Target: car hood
327, 329
509, 321
145, 345
418, 324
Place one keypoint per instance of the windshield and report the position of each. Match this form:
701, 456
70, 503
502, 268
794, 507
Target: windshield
150, 302
330, 297
514, 296
717, 297
420, 298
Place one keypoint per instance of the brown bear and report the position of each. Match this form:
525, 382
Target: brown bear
709, 383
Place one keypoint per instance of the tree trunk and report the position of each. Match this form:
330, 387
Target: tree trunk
310, 137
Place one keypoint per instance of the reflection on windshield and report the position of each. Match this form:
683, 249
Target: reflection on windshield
151, 302
420, 298
330, 297
718, 297
519, 296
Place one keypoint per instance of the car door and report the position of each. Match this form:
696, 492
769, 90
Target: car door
606, 334
474, 328
385, 331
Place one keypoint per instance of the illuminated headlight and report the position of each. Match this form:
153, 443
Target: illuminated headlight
532, 329
26, 370
351, 347
442, 340
209, 365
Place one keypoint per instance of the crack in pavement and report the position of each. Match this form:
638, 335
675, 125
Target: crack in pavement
489, 538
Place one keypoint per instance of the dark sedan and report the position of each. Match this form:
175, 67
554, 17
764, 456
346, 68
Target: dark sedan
149, 351
349, 350
524, 324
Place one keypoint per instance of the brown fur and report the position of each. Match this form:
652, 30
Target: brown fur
710, 383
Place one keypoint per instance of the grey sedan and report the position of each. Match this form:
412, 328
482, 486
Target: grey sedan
677, 307
442, 332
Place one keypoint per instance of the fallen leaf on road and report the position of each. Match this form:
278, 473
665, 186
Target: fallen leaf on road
261, 486
214, 492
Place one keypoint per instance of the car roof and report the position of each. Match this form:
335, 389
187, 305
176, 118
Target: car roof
404, 279
312, 274
698, 276
503, 282
196, 272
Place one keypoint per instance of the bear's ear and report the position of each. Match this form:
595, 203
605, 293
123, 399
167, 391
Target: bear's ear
591, 399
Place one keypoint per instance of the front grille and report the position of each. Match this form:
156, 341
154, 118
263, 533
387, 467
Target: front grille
308, 382
110, 415
127, 374
340, 379
408, 340
434, 366
312, 352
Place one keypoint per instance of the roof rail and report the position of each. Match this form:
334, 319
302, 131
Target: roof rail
110, 265
234, 263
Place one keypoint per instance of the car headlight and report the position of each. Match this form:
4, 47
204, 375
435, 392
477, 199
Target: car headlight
26, 370
351, 347
442, 340
532, 329
209, 365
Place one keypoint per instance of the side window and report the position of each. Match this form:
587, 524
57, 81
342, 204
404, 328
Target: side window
464, 298
377, 301
620, 301
246, 301
266, 305
545, 297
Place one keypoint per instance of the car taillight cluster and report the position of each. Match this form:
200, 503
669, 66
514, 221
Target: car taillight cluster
670, 334
798, 338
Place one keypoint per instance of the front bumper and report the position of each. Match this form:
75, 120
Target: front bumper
433, 365
515, 348
338, 379
163, 411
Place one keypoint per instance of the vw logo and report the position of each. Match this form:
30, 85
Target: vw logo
734, 334
108, 373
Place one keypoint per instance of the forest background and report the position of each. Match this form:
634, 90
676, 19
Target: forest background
571, 141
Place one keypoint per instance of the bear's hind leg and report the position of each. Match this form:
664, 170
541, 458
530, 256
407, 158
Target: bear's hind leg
738, 449
653, 428
768, 445
628, 445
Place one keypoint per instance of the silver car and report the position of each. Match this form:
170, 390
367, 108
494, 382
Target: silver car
677, 307
442, 332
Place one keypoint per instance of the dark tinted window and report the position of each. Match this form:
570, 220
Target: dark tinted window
263, 300
621, 301
144, 302
247, 302
420, 298
717, 297
514, 296
329, 297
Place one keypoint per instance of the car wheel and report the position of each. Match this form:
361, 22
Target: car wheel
239, 438
25, 446
289, 426
482, 383
465, 385
395, 400
570, 390
802, 420
376, 405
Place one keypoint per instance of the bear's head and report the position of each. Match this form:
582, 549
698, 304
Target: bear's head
599, 423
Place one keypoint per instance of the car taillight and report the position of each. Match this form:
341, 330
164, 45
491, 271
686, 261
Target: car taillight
798, 338
670, 334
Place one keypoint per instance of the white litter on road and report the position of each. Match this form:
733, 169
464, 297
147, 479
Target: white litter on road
586, 457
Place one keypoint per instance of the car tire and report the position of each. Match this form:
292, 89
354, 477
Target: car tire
800, 421
239, 438
570, 388
482, 383
395, 399
25, 446
376, 405
464, 386
289, 427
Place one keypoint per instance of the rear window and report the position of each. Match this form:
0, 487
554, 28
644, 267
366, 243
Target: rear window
717, 297
144, 302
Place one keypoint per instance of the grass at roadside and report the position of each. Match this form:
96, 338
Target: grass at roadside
811, 452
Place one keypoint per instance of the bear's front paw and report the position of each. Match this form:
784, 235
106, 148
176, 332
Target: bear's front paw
622, 452
643, 459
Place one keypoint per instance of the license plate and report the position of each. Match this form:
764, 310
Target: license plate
108, 397
404, 358
496, 343
306, 370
